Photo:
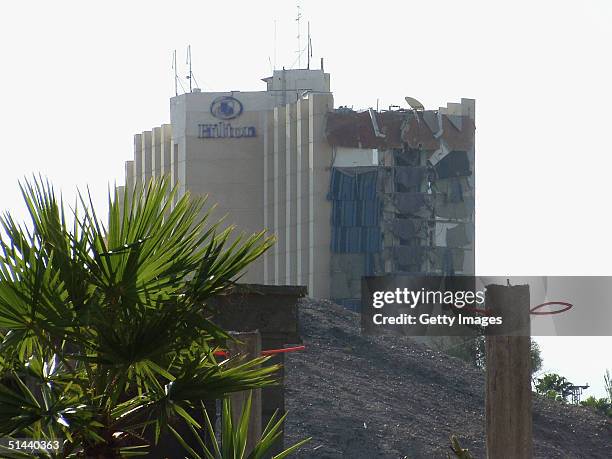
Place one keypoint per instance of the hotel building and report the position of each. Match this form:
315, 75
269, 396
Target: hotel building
346, 193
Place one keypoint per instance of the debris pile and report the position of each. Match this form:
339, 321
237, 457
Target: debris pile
390, 397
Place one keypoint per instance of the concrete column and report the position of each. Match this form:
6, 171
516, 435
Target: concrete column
166, 152
469, 110
120, 192
129, 175
146, 155
279, 196
290, 193
311, 217
273, 397
180, 151
174, 168
137, 158
268, 191
249, 347
302, 187
319, 167
156, 147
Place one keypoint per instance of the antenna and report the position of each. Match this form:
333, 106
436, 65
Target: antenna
175, 73
189, 77
274, 67
309, 47
299, 47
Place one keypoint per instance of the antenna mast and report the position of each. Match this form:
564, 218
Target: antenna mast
175, 73
274, 67
309, 47
299, 43
190, 72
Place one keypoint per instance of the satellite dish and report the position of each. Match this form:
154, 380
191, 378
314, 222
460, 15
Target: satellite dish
414, 104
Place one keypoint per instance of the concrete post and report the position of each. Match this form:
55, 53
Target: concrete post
249, 347
166, 151
156, 152
137, 169
147, 156
508, 380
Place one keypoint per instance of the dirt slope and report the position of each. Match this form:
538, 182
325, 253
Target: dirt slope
389, 397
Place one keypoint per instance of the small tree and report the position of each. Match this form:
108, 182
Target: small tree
472, 350
602, 405
554, 386
105, 336
536, 357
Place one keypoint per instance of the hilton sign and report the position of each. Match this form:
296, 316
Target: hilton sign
223, 130
225, 108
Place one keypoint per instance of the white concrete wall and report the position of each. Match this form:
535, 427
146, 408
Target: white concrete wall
354, 157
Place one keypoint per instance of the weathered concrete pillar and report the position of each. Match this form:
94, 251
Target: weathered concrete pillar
147, 156
137, 169
273, 310
156, 152
248, 347
175, 167
166, 151
302, 235
280, 183
129, 175
290, 194
319, 104
508, 383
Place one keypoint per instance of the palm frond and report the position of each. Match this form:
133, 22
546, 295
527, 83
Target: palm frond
234, 434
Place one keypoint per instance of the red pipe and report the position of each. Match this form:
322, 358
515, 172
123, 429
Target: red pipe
222, 353
283, 350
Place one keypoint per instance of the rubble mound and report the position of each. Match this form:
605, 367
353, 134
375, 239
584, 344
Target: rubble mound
390, 397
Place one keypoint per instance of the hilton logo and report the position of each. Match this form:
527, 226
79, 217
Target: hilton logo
226, 108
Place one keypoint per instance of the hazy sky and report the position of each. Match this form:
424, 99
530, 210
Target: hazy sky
77, 81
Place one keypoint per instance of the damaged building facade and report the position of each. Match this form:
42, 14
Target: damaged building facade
408, 209
346, 193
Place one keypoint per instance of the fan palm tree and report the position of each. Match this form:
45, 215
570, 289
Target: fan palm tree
105, 337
